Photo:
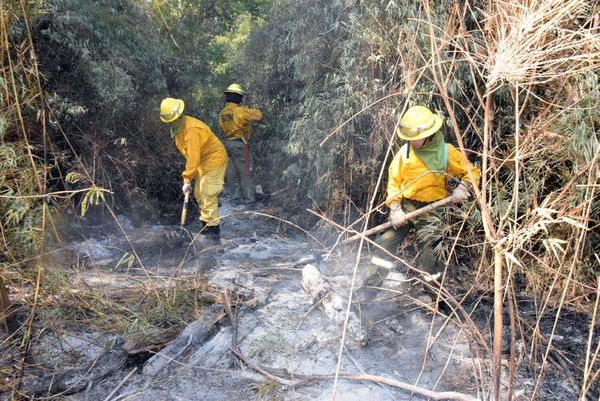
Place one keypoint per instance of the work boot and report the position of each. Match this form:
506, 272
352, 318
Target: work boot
211, 233
262, 198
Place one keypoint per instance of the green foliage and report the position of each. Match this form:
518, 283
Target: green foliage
111, 49
103, 68
20, 210
317, 65
203, 42
92, 197
173, 305
268, 391
571, 147
313, 66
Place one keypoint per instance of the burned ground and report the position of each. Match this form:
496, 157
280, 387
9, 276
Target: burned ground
277, 326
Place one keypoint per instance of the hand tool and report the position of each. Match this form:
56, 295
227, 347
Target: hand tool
186, 200
407, 216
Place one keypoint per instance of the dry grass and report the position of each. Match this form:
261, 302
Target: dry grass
535, 42
540, 230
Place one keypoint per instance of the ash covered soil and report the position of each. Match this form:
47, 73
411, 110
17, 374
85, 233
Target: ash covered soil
287, 318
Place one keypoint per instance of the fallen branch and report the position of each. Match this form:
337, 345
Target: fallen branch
435, 395
152, 341
276, 379
232, 317
322, 293
108, 397
193, 334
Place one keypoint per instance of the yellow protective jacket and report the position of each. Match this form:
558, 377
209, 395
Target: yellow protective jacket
234, 121
201, 148
409, 177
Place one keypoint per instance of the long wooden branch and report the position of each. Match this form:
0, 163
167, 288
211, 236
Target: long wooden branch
408, 216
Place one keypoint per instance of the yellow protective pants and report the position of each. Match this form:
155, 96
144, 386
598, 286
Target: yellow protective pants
206, 191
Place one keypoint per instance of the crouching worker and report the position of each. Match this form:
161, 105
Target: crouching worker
205, 162
425, 170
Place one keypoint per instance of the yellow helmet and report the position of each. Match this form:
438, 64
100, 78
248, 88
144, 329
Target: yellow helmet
235, 88
417, 123
171, 109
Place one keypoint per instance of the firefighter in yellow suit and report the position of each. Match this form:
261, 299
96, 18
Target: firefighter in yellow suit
234, 121
205, 162
425, 170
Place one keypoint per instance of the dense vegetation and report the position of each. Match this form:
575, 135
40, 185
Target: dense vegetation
81, 83
317, 67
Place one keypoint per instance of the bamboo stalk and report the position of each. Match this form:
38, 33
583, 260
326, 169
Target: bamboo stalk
512, 362
588, 369
497, 346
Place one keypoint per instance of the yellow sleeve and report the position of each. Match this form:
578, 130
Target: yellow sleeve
251, 114
192, 146
394, 185
457, 166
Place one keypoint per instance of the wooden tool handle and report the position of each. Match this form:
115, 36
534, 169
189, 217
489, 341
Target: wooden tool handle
408, 216
186, 199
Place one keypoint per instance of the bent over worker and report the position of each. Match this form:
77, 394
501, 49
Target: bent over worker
425, 170
205, 162
234, 121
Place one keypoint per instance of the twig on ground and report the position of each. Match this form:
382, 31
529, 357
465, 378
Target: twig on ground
108, 397
312, 307
268, 375
361, 370
232, 318
87, 391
